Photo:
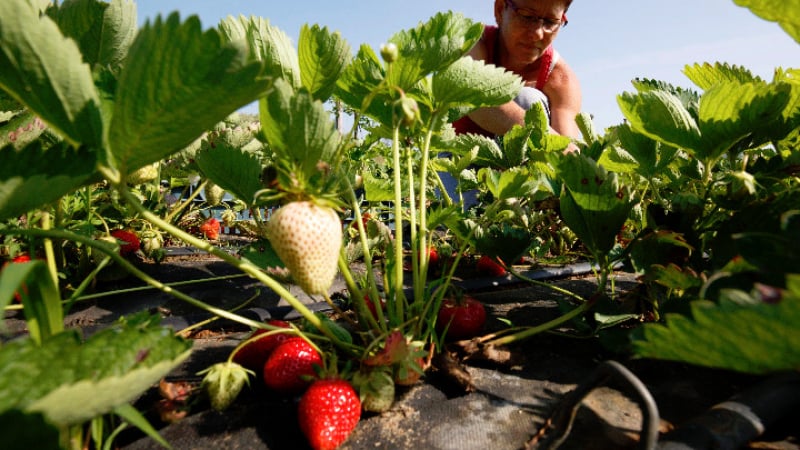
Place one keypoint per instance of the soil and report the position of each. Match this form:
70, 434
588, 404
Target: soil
511, 404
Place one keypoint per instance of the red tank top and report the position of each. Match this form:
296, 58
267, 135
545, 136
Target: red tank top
465, 124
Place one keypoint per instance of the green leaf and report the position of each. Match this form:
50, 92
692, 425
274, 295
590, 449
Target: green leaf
261, 254
232, 168
32, 177
474, 83
22, 431
132, 415
504, 241
657, 248
661, 116
730, 111
178, 82
785, 12
40, 297
298, 128
512, 183
674, 277
377, 189
618, 160
431, 47
268, 44
706, 76
359, 83
489, 153
759, 339
593, 203
323, 57
103, 31
92, 378
45, 71
652, 157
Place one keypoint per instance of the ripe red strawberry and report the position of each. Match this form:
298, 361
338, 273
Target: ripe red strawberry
254, 354
21, 258
328, 412
307, 237
210, 228
131, 243
489, 266
463, 317
288, 364
371, 306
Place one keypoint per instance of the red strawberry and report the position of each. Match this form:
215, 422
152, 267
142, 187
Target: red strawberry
210, 229
254, 354
307, 237
371, 306
328, 412
21, 258
130, 241
288, 364
487, 265
462, 317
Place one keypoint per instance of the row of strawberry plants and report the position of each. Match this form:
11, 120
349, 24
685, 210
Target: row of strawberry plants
684, 178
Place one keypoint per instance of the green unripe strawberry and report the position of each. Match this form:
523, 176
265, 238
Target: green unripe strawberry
228, 218
144, 174
214, 194
151, 241
307, 237
376, 389
223, 382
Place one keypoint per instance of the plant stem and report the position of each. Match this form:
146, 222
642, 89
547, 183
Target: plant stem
398, 223
528, 332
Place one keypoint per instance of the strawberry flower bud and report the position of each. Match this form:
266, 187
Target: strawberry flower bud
389, 52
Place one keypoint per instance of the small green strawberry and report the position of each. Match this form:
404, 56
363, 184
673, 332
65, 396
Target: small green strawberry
376, 388
223, 382
214, 194
307, 237
151, 241
144, 174
328, 412
228, 218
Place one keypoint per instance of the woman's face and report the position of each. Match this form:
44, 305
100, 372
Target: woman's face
528, 27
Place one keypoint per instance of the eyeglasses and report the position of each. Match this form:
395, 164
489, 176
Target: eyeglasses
529, 18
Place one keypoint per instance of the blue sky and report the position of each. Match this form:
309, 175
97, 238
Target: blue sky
608, 42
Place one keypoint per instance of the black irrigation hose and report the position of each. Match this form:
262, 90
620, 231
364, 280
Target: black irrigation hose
564, 415
745, 416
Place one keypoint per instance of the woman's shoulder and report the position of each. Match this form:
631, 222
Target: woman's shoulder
482, 49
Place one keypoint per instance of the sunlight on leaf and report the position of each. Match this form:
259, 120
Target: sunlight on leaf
45, 71
759, 339
474, 83
323, 56
268, 44
178, 82
111, 368
785, 12
661, 116
34, 176
432, 46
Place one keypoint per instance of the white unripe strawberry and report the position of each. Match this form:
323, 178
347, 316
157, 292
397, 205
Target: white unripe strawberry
307, 237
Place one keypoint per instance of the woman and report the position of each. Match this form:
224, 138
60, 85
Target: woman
522, 43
